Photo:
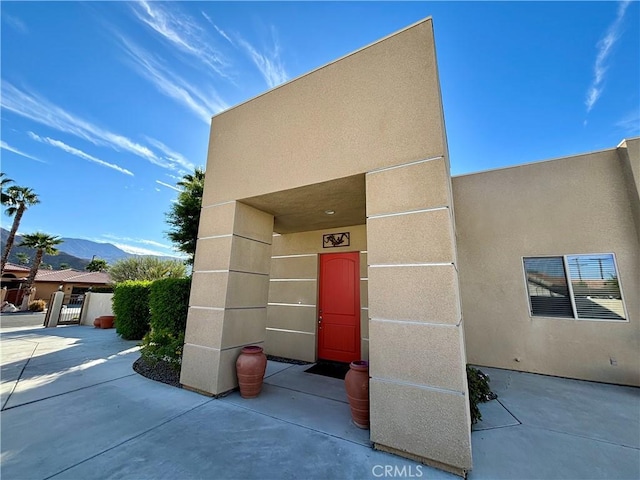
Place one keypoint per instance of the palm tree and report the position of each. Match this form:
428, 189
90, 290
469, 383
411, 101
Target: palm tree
3, 182
189, 180
20, 198
97, 265
23, 258
42, 243
184, 215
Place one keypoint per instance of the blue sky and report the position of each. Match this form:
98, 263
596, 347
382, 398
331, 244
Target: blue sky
106, 104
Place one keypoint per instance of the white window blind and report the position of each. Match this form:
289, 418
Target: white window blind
578, 286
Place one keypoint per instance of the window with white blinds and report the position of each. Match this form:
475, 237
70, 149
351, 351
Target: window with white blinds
577, 286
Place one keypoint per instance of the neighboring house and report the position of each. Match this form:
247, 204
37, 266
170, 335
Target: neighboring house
71, 281
13, 271
49, 281
332, 229
12, 279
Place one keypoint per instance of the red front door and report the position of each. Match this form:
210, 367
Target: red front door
339, 307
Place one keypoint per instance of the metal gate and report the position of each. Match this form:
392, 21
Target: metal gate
71, 311
15, 296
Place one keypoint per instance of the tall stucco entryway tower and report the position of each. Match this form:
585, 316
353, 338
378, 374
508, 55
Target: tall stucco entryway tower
356, 149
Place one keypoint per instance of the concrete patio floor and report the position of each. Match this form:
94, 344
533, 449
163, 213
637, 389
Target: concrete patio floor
72, 407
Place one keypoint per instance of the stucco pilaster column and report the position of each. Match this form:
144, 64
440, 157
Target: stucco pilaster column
229, 292
54, 309
419, 398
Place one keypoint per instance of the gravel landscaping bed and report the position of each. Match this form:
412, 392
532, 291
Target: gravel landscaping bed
164, 372
161, 371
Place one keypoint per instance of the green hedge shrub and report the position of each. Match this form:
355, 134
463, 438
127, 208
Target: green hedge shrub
105, 289
479, 391
131, 309
169, 304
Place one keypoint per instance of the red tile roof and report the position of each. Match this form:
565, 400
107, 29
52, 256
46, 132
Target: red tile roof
72, 276
12, 267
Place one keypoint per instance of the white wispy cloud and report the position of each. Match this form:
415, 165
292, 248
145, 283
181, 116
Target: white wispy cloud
139, 241
144, 251
9, 148
630, 123
268, 63
78, 153
203, 105
218, 29
125, 244
37, 108
171, 154
15, 22
181, 31
604, 46
168, 186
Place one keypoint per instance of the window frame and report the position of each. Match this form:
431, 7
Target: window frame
565, 265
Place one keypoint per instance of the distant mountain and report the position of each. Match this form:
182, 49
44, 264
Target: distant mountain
81, 248
54, 260
75, 252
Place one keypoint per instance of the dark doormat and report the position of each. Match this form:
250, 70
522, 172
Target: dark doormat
329, 369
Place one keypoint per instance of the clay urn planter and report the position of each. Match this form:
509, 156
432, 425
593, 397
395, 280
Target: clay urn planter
356, 383
106, 321
250, 367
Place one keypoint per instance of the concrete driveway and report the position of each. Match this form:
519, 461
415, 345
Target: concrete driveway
72, 407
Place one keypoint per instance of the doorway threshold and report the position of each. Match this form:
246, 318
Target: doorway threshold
311, 401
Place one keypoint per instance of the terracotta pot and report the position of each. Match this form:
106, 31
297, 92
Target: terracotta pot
356, 383
250, 367
106, 321
96, 322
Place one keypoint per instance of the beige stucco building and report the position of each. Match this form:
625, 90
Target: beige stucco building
584, 208
328, 230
